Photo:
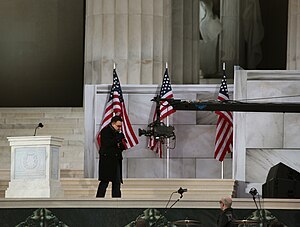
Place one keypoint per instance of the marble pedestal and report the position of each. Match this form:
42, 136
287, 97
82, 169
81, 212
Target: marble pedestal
34, 167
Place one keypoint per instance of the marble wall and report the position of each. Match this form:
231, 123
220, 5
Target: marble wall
261, 140
192, 156
293, 40
134, 34
141, 35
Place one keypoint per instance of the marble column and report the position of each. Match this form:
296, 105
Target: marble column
293, 40
135, 34
185, 41
230, 36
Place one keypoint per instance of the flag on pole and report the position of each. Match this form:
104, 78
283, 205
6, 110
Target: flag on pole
165, 110
116, 106
224, 132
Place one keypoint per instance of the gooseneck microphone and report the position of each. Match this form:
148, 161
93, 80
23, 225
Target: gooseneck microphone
261, 214
40, 125
253, 192
181, 191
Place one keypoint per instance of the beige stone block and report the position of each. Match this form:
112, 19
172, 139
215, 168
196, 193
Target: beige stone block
193, 136
228, 167
108, 37
167, 40
135, 7
121, 6
182, 168
167, 8
108, 7
291, 130
146, 168
208, 169
141, 108
158, 33
147, 7
96, 71
121, 65
89, 38
134, 71
121, 38
177, 41
97, 37
147, 37
89, 7
71, 165
147, 72
158, 7
267, 132
93, 7
134, 37
107, 71
158, 72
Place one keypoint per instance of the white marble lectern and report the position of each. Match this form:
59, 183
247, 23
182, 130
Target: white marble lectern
34, 167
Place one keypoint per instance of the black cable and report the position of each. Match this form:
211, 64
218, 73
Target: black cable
166, 208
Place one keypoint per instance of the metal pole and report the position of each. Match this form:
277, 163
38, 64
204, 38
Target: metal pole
222, 170
168, 152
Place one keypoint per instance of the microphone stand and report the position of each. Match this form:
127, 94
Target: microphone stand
39, 126
258, 210
262, 214
167, 209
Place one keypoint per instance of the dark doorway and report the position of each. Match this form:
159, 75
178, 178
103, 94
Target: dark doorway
41, 53
274, 45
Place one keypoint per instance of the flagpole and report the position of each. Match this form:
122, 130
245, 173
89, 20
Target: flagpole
168, 144
168, 152
114, 65
222, 170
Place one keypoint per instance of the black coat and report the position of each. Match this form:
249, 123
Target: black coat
110, 153
225, 218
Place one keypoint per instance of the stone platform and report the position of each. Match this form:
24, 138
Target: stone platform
79, 207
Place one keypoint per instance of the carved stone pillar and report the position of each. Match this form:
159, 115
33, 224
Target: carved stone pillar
293, 39
135, 34
185, 41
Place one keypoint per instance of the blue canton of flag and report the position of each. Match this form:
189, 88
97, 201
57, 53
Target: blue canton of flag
224, 131
165, 110
116, 106
166, 93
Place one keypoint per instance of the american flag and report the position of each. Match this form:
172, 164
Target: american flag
224, 133
116, 106
165, 110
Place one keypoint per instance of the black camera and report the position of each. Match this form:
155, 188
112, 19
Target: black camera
158, 130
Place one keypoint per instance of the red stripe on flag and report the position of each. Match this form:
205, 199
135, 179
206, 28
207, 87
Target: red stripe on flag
116, 106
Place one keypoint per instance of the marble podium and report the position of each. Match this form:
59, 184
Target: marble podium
34, 167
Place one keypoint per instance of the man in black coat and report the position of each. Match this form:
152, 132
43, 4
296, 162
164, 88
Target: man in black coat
110, 161
227, 216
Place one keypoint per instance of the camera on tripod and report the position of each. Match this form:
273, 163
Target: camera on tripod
158, 130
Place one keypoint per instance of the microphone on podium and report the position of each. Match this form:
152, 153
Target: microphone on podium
181, 191
40, 125
253, 192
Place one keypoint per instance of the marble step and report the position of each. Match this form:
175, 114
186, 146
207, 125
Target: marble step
71, 173
150, 193
4, 174
226, 184
146, 188
64, 173
153, 188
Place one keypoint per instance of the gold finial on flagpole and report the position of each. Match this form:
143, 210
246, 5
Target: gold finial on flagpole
223, 66
166, 65
114, 65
